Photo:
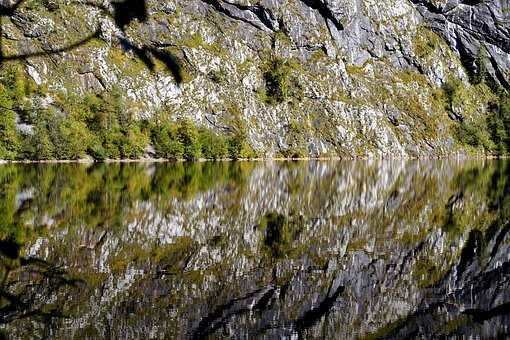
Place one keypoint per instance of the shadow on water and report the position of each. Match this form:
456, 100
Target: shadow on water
268, 250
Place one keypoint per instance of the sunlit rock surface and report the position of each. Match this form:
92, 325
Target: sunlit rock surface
369, 249
364, 81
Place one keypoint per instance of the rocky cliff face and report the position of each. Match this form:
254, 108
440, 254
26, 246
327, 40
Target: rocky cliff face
472, 29
357, 77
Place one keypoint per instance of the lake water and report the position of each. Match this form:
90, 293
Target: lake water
297, 250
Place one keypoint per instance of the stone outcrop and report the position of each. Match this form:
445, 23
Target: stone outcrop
363, 78
474, 29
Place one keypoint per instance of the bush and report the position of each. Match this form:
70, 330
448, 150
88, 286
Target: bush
73, 139
238, 147
134, 143
277, 81
213, 145
187, 134
235, 145
453, 92
498, 123
468, 134
166, 144
39, 145
9, 143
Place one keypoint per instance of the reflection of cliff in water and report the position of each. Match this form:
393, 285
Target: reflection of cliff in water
319, 249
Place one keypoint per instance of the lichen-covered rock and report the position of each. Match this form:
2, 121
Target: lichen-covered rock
473, 28
362, 76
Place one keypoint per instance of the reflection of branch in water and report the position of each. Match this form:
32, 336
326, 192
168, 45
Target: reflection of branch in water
29, 301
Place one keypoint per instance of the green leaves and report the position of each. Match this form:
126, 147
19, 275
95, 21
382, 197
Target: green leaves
214, 146
187, 134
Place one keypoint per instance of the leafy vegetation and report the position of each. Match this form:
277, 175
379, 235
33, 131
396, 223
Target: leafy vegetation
279, 85
166, 144
492, 133
187, 134
491, 129
101, 127
214, 146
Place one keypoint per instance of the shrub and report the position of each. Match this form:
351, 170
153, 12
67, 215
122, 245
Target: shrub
237, 146
9, 143
13, 81
187, 134
39, 146
213, 145
467, 134
452, 90
498, 123
134, 143
277, 80
218, 76
112, 139
74, 139
166, 144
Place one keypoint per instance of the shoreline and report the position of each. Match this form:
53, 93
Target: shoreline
260, 159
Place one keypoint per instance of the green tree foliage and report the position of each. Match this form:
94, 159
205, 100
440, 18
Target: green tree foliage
213, 146
9, 143
277, 77
238, 146
73, 139
493, 133
13, 87
187, 134
164, 139
498, 122
480, 76
469, 134
101, 126
134, 143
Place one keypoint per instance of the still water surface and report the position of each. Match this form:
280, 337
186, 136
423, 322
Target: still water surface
361, 249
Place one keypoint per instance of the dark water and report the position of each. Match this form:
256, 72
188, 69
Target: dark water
375, 249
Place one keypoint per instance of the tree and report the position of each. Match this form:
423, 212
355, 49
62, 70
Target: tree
187, 134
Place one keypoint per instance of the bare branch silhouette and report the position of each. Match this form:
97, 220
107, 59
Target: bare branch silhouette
67, 48
122, 13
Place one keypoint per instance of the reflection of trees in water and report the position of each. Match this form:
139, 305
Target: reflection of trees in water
36, 198
26, 285
280, 232
283, 254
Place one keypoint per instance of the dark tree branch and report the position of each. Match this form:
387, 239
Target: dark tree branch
77, 44
122, 13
